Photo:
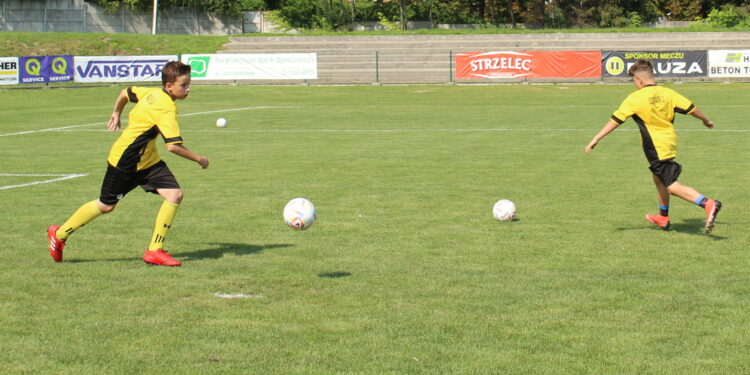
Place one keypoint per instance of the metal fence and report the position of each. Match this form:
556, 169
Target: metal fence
79, 16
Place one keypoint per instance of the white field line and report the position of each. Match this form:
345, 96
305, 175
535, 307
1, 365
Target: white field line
236, 295
49, 129
60, 178
424, 130
124, 121
63, 128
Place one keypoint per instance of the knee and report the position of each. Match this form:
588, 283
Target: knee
176, 197
105, 208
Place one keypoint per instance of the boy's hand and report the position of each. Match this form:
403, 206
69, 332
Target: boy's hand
590, 146
203, 161
114, 123
709, 124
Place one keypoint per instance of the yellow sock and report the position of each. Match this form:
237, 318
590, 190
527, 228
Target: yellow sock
164, 220
89, 211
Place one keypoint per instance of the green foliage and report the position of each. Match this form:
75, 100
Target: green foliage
230, 7
329, 15
635, 20
728, 16
387, 23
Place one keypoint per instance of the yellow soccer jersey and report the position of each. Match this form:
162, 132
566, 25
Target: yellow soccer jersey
653, 108
154, 114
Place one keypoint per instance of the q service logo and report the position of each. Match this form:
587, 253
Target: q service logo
120, 68
45, 69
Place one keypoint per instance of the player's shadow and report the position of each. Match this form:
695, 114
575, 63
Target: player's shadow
334, 274
218, 250
215, 251
687, 226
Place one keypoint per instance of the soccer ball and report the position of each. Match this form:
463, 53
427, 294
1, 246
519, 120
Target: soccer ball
299, 214
221, 122
504, 210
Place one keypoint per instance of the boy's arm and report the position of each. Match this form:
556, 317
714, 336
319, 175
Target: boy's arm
179, 149
700, 116
114, 120
610, 126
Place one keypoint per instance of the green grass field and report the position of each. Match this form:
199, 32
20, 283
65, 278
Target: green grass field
405, 270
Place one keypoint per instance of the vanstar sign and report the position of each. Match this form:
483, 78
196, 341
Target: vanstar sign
120, 68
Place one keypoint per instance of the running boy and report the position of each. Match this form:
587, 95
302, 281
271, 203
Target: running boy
652, 108
133, 160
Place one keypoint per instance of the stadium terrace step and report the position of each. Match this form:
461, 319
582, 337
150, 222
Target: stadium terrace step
367, 59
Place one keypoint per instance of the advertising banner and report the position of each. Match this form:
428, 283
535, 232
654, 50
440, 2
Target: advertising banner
45, 69
120, 68
253, 66
729, 63
8, 70
666, 63
528, 64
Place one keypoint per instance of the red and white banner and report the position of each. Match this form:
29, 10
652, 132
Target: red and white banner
529, 64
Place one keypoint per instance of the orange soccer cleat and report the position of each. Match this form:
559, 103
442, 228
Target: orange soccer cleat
662, 221
56, 245
712, 209
160, 258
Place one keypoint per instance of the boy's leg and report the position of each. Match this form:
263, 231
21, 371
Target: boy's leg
662, 219
58, 234
85, 214
685, 192
711, 206
160, 180
155, 253
164, 220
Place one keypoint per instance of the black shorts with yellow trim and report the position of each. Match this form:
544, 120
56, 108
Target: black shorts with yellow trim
117, 182
667, 170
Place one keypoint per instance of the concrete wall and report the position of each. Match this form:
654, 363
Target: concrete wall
78, 16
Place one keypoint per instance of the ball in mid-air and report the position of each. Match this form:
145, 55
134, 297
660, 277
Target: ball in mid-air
299, 213
221, 122
504, 210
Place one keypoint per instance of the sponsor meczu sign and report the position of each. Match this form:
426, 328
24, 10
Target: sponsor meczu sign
666, 63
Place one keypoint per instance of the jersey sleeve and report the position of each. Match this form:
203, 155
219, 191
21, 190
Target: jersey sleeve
682, 104
135, 93
168, 126
625, 110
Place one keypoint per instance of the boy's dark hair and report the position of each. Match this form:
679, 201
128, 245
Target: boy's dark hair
641, 66
172, 70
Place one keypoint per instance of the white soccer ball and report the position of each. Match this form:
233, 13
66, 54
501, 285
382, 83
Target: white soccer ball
504, 210
221, 122
299, 213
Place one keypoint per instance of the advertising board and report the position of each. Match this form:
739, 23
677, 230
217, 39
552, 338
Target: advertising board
528, 64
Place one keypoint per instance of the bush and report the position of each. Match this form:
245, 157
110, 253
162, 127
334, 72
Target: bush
728, 16
635, 20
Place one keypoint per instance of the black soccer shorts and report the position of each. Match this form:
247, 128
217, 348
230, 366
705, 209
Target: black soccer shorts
117, 183
667, 170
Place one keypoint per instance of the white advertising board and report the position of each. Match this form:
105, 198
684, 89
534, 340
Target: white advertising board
8, 70
253, 66
729, 63
120, 68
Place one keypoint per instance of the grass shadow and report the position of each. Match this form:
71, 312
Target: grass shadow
688, 226
334, 275
217, 250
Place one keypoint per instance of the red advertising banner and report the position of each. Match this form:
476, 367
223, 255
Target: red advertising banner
529, 64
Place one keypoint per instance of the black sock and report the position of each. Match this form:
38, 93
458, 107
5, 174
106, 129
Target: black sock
703, 202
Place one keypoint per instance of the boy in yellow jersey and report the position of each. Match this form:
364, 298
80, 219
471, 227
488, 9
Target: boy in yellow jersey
133, 160
653, 107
